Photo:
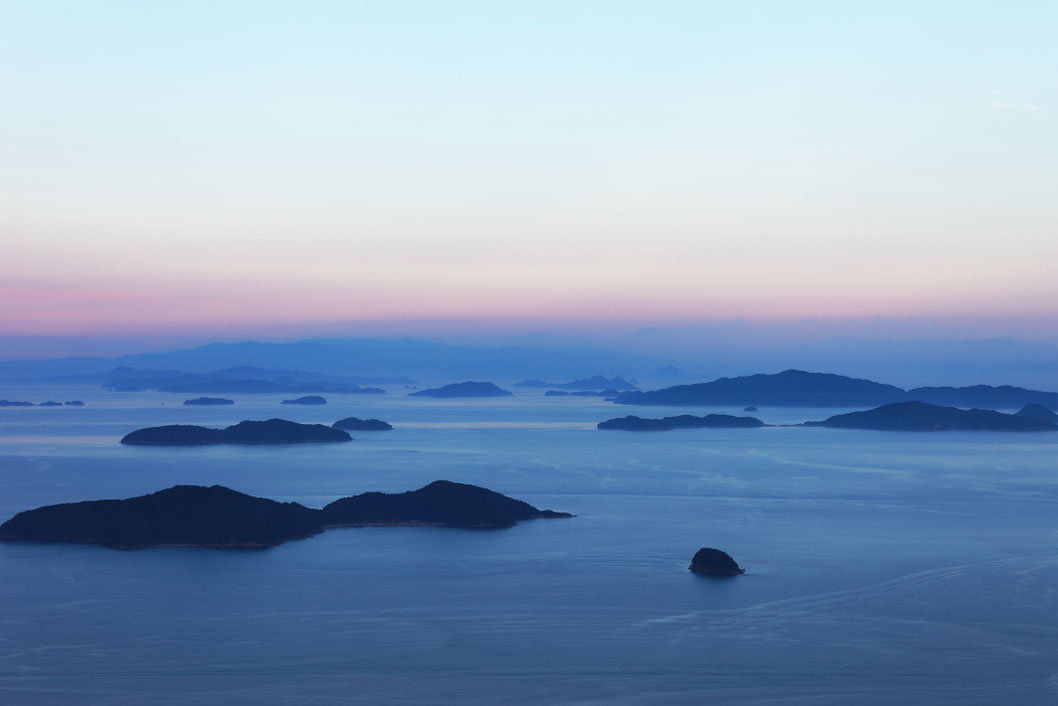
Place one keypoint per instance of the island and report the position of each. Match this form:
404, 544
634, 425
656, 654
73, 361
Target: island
208, 401
309, 399
595, 382
441, 503
74, 403
683, 421
184, 515
749, 409
463, 389
713, 562
1037, 411
355, 424
50, 403
17, 403
920, 416
272, 431
798, 388
219, 517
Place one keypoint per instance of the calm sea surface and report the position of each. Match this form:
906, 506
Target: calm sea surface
881, 567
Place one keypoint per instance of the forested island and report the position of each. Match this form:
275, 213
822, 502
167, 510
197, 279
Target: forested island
272, 431
219, 517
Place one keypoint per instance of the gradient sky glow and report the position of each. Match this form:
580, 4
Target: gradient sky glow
206, 164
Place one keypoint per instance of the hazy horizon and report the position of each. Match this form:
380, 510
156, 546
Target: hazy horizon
278, 171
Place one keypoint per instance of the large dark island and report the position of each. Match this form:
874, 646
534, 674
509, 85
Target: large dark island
273, 431
191, 515
439, 503
463, 389
919, 416
683, 421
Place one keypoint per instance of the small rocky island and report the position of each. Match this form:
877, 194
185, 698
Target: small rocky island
50, 403
714, 562
683, 421
355, 424
920, 416
74, 403
273, 431
308, 399
197, 516
208, 401
463, 389
15, 403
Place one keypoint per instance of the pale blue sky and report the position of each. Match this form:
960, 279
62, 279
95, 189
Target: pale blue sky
271, 162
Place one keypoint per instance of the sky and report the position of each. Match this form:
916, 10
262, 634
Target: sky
204, 168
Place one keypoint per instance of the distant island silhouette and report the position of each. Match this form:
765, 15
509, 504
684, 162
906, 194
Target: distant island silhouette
596, 382
245, 379
272, 431
15, 403
463, 389
355, 424
582, 393
920, 416
798, 388
683, 421
208, 401
309, 399
219, 517
1037, 411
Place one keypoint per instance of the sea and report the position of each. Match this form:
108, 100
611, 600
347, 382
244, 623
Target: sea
881, 567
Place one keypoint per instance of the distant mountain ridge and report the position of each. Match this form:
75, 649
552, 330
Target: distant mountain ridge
797, 388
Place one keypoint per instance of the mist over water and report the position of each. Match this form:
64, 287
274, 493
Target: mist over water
881, 566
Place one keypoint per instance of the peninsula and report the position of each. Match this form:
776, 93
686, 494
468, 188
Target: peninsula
273, 431
919, 416
215, 516
683, 421
463, 389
